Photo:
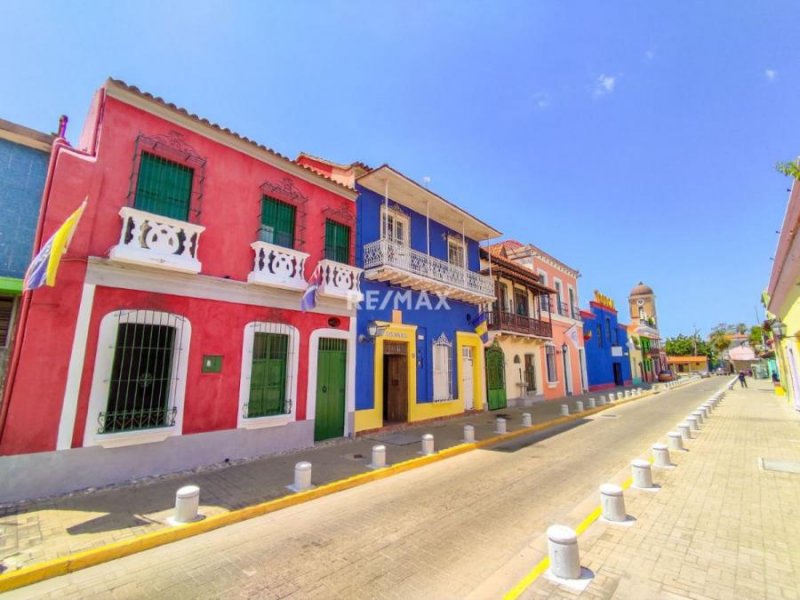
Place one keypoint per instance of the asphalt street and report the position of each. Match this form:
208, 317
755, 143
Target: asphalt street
460, 527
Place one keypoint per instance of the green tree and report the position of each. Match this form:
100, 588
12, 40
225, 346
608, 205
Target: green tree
789, 168
756, 336
685, 345
741, 328
719, 341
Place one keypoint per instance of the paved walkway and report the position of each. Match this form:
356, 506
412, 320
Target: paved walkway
723, 526
42, 530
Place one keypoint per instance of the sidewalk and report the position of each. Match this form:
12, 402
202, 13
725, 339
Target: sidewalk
45, 529
724, 524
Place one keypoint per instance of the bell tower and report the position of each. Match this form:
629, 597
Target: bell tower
642, 302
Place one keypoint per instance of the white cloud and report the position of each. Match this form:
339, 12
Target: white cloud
770, 74
541, 100
604, 85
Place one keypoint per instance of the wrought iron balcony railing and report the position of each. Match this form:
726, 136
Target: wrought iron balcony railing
505, 321
418, 270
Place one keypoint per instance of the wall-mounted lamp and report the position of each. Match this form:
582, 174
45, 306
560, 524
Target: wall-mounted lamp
373, 330
564, 348
778, 329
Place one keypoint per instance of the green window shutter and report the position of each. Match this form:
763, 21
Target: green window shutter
277, 222
337, 242
164, 187
268, 375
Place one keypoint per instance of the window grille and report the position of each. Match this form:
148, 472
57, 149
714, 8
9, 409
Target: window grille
141, 392
167, 177
442, 369
394, 226
271, 373
337, 241
284, 227
455, 252
550, 356
6, 316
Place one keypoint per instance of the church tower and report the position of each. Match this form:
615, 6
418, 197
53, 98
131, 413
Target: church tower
642, 302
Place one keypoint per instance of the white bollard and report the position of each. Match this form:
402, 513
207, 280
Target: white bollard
302, 477
699, 415
469, 434
592, 403
675, 440
661, 455
578, 406
612, 502
187, 501
427, 444
693, 424
642, 475
627, 393
564, 410
378, 457
601, 401
562, 547
612, 397
685, 430
526, 419
500, 425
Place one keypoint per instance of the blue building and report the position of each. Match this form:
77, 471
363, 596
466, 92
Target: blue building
418, 355
24, 155
608, 362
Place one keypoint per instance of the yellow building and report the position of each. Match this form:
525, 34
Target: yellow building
687, 364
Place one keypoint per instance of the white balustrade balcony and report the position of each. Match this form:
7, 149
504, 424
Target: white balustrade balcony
338, 280
156, 241
401, 265
279, 267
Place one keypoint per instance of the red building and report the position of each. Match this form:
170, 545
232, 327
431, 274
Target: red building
174, 336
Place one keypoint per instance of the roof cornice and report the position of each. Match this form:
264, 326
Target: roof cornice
156, 106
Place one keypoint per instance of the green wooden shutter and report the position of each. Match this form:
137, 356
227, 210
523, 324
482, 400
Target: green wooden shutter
164, 187
268, 375
337, 242
277, 222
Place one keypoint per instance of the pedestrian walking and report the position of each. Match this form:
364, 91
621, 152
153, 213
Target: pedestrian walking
742, 379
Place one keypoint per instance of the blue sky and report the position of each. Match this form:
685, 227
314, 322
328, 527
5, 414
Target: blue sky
633, 140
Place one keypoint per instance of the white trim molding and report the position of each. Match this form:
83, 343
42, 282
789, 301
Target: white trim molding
101, 380
250, 330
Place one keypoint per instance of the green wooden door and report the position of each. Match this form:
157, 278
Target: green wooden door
495, 377
331, 381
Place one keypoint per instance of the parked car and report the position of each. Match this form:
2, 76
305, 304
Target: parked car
704, 374
721, 371
665, 376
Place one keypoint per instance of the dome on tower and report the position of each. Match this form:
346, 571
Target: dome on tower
641, 290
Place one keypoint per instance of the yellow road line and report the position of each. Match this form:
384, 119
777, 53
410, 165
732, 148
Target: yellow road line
94, 556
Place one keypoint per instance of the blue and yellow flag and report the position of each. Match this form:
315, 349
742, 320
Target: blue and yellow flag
43, 268
481, 327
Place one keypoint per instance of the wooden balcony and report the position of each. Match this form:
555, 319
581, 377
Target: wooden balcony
505, 321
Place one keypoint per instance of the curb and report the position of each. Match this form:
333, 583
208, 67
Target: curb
95, 556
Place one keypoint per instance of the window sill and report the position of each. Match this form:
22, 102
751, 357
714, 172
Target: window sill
264, 422
552, 385
132, 438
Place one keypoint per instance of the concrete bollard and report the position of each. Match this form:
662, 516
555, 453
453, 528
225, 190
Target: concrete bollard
675, 441
685, 430
661, 455
427, 444
187, 501
578, 406
526, 419
612, 397
469, 434
592, 403
302, 477
562, 548
642, 474
378, 457
698, 414
601, 401
627, 393
612, 502
500, 425
693, 424
564, 410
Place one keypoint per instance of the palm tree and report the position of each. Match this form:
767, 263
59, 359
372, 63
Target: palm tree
741, 328
719, 341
